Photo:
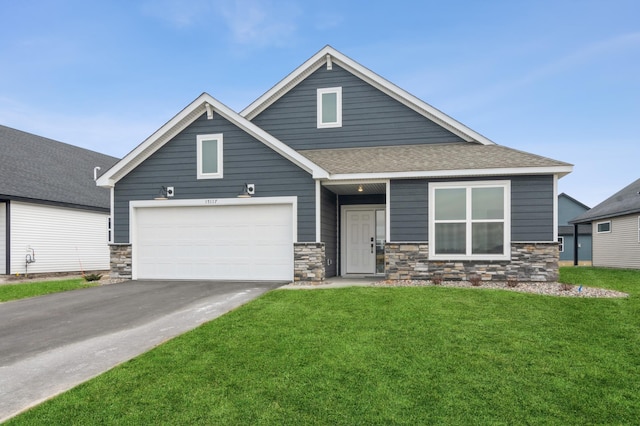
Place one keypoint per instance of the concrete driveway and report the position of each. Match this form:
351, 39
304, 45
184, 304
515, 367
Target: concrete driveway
51, 343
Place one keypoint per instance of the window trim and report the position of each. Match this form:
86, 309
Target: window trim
199, 140
468, 186
602, 223
561, 244
319, 93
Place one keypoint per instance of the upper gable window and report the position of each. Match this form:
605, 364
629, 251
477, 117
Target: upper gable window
209, 156
330, 107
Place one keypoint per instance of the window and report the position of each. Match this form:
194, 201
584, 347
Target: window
561, 244
470, 220
209, 156
330, 107
604, 227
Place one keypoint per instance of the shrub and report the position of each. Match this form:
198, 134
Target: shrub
92, 277
475, 280
436, 279
565, 287
512, 282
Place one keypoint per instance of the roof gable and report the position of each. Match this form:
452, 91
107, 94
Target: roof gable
328, 56
624, 202
205, 103
44, 170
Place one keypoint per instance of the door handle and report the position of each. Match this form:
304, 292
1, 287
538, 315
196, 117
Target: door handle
371, 247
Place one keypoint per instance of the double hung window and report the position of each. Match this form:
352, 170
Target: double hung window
470, 220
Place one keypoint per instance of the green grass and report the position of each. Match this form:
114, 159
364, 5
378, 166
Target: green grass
404, 355
24, 290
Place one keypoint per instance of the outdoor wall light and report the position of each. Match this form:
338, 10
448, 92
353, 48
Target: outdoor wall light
245, 192
162, 194
360, 188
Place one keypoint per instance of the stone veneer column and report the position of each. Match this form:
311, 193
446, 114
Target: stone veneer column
406, 261
120, 265
308, 262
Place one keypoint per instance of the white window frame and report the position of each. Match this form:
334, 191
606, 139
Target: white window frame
338, 92
561, 244
200, 139
505, 185
602, 223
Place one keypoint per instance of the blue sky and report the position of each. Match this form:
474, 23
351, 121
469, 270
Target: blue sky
556, 78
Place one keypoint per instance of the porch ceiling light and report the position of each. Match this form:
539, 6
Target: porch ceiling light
360, 188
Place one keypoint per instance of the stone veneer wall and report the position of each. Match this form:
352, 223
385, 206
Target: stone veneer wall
529, 262
120, 265
308, 262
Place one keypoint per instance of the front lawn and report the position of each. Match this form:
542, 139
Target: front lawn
405, 355
24, 290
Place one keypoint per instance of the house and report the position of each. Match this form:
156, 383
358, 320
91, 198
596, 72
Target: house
615, 225
333, 171
53, 218
568, 208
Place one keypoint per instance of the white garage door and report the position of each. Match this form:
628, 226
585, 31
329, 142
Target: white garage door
229, 242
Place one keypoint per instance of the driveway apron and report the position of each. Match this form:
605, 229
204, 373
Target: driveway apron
52, 343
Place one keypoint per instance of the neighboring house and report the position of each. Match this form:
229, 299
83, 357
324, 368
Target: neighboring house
615, 225
333, 171
53, 218
568, 208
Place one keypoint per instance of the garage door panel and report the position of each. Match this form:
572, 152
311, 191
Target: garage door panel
252, 242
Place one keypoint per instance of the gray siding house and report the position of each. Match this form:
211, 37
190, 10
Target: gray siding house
615, 225
568, 208
334, 171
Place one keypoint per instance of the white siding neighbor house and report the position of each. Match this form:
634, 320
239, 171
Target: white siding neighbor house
53, 218
616, 229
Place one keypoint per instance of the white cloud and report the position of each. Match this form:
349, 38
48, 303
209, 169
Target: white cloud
260, 23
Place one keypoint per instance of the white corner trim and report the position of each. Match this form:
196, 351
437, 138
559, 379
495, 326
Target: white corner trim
318, 211
555, 207
387, 218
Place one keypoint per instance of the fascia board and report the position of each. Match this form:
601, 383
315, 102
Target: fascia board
401, 95
559, 170
187, 116
154, 142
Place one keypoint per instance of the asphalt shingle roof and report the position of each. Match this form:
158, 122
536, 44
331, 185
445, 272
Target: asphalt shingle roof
626, 201
426, 157
38, 168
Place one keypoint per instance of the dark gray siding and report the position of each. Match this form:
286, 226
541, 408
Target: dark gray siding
409, 209
369, 117
329, 231
531, 208
245, 160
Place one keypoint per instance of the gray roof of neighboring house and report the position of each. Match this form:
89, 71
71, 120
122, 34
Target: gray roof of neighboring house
41, 169
426, 157
624, 202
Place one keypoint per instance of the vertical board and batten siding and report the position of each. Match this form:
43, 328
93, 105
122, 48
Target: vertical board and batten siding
531, 208
369, 116
63, 239
3, 238
620, 247
329, 231
245, 160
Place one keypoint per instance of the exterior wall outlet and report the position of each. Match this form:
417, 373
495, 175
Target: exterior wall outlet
170, 191
251, 188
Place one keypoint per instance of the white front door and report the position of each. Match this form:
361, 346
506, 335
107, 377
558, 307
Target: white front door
360, 242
